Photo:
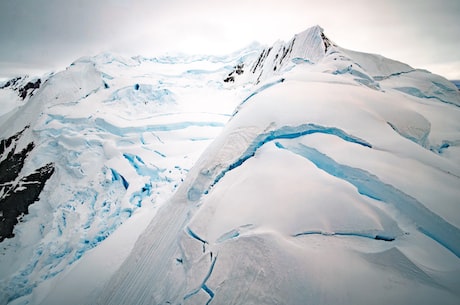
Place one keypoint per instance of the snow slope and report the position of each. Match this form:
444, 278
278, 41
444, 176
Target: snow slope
122, 134
335, 181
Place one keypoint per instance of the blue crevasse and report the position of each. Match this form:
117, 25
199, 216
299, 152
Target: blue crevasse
141, 168
118, 177
289, 132
418, 93
371, 186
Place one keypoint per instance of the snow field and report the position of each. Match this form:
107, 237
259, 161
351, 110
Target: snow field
122, 142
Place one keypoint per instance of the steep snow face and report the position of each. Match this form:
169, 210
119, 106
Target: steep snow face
121, 134
326, 176
309, 46
331, 184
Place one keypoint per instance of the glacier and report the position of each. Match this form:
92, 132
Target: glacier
296, 173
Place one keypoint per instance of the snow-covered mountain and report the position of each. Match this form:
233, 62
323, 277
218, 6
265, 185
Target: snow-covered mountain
297, 173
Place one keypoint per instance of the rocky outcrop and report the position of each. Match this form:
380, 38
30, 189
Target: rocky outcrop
22, 86
18, 191
238, 70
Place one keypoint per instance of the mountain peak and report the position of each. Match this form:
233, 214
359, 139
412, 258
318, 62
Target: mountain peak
314, 31
310, 46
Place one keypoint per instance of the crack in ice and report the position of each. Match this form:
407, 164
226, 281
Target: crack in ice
288, 132
203, 285
195, 236
380, 236
367, 184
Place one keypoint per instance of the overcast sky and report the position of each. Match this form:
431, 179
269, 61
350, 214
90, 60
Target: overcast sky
45, 35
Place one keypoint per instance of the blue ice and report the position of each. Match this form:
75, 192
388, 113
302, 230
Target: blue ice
194, 235
229, 235
143, 93
118, 177
121, 131
418, 93
141, 169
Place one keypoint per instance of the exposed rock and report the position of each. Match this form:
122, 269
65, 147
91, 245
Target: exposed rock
11, 82
29, 88
238, 69
23, 90
16, 193
327, 42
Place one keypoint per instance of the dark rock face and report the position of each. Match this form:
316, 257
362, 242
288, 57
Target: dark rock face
22, 89
16, 192
11, 83
238, 69
29, 88
327, 43
261, 59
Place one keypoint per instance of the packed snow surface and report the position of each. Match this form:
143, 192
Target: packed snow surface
318, 175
